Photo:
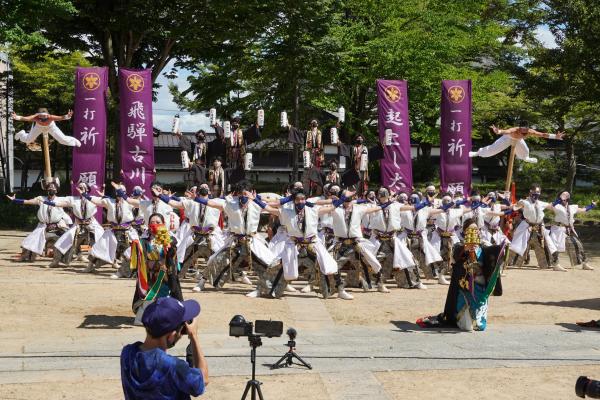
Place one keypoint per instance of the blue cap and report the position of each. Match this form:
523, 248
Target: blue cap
167, 314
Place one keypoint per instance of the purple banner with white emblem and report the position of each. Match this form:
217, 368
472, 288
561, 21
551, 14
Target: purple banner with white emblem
455, 137
89, 127
396, 165
137, 143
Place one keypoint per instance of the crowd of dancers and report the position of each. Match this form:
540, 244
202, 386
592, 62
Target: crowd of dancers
333, 241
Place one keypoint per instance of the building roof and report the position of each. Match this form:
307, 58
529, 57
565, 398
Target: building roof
169, 140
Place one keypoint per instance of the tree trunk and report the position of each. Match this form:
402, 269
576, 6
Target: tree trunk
571, 164
296, 124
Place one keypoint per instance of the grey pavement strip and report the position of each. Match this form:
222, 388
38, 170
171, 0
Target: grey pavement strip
337, 350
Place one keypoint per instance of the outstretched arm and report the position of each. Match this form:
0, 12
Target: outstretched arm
29, 118
210, 203
264, 206
65, 117
325, 209
499, 131
588, 208
556, 136
29, 202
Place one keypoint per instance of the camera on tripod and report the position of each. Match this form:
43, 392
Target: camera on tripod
238, 326
587, 387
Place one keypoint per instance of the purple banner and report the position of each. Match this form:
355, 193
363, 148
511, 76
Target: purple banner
89, 126
137, 144
396, 165
455, 137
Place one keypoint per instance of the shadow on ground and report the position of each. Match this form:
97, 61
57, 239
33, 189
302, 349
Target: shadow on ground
106, 322
590, 304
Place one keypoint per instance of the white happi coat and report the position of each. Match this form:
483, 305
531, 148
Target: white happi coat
446, 222
244, 221
83, 209
36, 240
105, 248
185, 233
352, 230
289, 255
149, 207
477, 215
565, 216
278, 241
418, 224
533, 213
403, 258
493, 222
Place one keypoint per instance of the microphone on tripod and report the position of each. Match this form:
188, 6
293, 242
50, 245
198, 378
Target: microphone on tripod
288, 358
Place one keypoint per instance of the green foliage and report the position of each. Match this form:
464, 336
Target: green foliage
549, 173
23, 22
45, 81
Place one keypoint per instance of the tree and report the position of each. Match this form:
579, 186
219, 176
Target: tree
563, 83
23, 22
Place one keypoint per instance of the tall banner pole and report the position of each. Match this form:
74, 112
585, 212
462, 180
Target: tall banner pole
455, 136
137, 141
89, 126
392, 105
511, 164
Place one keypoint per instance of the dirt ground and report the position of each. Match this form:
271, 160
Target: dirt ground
49, 306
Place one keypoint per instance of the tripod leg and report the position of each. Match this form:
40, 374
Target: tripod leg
279, 363
248, 385
297, 357
260, 396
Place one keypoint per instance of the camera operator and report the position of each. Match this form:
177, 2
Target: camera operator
147, 371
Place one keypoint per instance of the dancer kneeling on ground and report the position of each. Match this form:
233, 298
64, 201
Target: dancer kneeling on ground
475, 276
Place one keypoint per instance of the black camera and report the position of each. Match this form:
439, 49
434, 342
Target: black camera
587, 387
238, 326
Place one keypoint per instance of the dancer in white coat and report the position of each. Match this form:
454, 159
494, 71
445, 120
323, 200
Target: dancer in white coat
563, 232
53, 222
200, 235
243, 244
388, 237
532, 233
301, 222
85, 230
347, 217
116, 239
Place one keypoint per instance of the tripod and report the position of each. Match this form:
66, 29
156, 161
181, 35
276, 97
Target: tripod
288, 358
253, 384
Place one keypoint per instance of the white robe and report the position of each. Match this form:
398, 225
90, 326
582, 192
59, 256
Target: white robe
51, 129
562, 216
534, 213
36, 240
65, 242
